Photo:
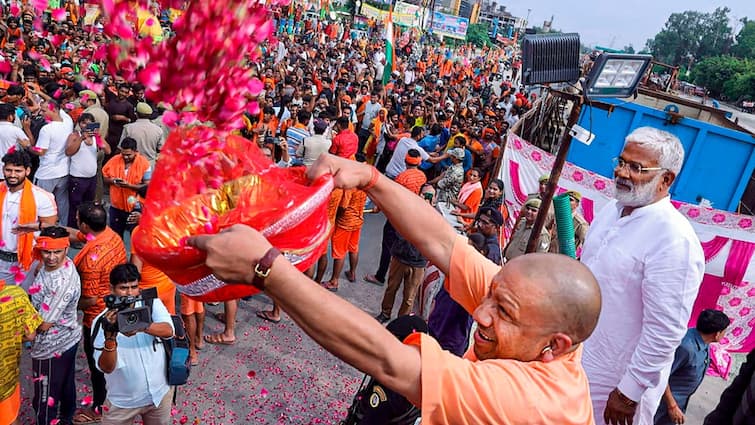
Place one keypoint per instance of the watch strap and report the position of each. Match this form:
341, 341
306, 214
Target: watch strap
262, 268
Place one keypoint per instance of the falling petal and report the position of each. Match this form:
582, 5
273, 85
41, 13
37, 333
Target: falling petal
33, 289
264, 392
5, 299
59, 14
45, 307
87, 400
90, 237
39, 5
94, 257
251, 374
50, 402
38, 378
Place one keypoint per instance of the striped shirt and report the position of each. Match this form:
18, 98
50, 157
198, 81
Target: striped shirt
294, 137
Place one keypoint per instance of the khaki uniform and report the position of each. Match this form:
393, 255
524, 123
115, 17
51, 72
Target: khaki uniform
580, 231
518, 244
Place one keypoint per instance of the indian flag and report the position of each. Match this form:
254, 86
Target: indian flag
389, 53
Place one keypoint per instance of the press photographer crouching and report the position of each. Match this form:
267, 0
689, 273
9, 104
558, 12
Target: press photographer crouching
127, 350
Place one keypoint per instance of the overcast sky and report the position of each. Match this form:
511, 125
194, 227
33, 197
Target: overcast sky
615, 24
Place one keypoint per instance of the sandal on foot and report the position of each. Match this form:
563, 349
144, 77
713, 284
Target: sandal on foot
370, 278
218, 339
86, 416
265, 315
329, 286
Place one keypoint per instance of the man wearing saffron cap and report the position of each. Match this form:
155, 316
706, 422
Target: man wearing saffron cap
55, 294
413, 179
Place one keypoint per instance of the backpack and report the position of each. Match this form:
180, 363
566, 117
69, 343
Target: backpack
176, 348
177, 354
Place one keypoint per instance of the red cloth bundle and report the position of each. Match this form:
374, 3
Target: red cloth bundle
206, 181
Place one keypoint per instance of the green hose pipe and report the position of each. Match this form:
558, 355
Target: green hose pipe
564, 225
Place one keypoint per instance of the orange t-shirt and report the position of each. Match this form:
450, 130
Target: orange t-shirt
153, 277
412, 179
352, 204
115, 168
94, 263
465, 391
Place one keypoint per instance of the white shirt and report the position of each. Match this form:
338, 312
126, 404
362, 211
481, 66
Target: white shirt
9, 136
649, 266
398, 160
84, 161
139, 378
59, 290
46, 207
54, 163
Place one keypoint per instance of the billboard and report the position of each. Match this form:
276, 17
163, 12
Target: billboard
450, 25
404, 14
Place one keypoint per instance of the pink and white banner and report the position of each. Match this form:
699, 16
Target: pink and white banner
728, 240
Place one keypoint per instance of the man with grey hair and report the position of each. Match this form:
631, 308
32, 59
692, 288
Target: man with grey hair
649, 264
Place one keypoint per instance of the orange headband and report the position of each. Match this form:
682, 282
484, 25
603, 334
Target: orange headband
412, 160
48, 244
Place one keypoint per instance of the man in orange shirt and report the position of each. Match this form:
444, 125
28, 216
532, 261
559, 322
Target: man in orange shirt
412, 178
126, 173
345, 239
532, 316
103, 250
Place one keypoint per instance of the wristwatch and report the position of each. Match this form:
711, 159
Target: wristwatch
262, 268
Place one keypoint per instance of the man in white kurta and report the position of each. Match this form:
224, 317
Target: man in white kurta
649, 264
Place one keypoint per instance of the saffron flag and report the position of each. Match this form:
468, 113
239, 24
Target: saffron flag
389, 55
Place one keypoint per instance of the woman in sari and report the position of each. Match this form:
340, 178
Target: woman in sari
469, 198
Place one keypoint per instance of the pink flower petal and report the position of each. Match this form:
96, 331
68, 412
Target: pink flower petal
15, 10
251, 374
39, 5
264, 392
5, 299
45, 307
34, 289
38, 378
87, 400
59, 14
50, 402
90, 237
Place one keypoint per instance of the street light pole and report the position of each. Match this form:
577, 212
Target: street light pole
558, 165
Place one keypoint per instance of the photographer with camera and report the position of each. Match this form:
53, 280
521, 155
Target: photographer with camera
129, 353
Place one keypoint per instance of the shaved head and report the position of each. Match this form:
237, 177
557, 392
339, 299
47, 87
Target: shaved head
539, 307
571, 295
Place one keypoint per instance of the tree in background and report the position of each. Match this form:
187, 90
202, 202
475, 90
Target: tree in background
692, 33
713, 72
745, 47
477, 34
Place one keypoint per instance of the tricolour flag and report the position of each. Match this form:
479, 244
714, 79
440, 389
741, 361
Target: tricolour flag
389, 46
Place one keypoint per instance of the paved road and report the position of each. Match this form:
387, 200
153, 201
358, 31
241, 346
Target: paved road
275, 374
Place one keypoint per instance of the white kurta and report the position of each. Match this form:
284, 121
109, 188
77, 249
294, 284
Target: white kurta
649, 266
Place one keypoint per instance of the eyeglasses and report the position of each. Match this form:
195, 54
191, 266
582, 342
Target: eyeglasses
633, 167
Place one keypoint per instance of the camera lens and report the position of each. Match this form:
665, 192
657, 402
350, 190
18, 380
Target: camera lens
132, 318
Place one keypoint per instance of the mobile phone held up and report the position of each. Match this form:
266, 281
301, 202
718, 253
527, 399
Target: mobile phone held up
92, 127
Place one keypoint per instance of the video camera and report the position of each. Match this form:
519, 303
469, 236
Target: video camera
130, 319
